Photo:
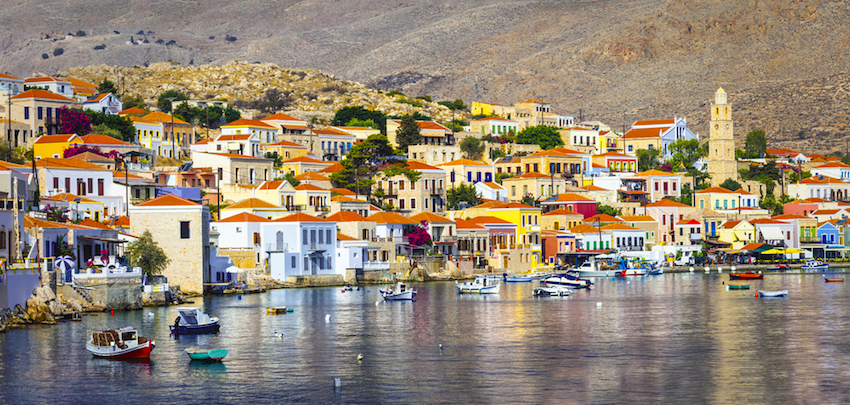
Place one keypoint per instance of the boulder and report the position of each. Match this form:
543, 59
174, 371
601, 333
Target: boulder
55, 308
44, 294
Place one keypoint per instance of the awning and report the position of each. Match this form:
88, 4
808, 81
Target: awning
102, 239
716, 242
772, 233
835, 247
774, 252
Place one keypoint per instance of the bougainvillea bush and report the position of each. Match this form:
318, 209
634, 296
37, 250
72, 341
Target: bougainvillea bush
418, 236
77, 149
74, 121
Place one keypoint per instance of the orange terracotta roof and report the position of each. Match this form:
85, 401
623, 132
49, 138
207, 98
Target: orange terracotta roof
618, 154
790, 216
654, 172
340, 236
344, 198
619, 227
602, 218
832, 164
310, 187
730, 224
533, 100
584, 228
431, 218
133, 110
413, 165
390, 218
561, 211
591, 187
68, 197
493, 119
244, 122
303, 159
287, 144
233, 137
66, 164
44, 79
347, 216
330, 131
300, 217
464, 224
765, 221
280, 117
717, 190
529, 175
95, 99
311, 176
41, 94
688, 222
244, 217
825, 212
270, 185
252, 203
644, 133
667, 203
161, 117
493, 185
93, 224
428, 125
489, 220
668, 122
235, 155
121, 222
335, 167
116, 175
166, 201
571, 197
342, 191
98, 139
5, 76
637, 218
61, 138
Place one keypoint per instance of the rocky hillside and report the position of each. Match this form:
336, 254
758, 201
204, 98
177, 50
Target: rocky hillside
782, 61
314, 94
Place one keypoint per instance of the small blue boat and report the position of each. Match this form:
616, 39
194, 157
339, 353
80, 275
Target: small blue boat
205, 355
517, 279
814, 266
193, 321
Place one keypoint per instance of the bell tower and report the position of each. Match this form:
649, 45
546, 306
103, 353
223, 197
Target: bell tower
721, 141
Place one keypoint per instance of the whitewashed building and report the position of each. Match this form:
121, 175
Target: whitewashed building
299, 245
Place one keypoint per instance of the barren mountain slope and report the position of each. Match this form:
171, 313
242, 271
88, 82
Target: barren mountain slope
782, 61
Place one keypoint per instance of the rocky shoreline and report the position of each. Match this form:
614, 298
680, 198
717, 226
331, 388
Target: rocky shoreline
43, 308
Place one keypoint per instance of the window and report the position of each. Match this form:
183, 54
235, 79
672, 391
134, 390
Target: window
256, 238
412, 203
27, 113
656, 186
91, 187
674, 186
304, 236
701, 204
99, 186
401, 203
413, 185
40, 113
321, 237
55, 183
401, 184
313, 235
184, 229
293, 262
328, 235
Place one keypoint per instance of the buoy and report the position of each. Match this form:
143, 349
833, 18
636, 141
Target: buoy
342, 291
757, 295
733, 268
337, 382
111, 312
327, 317
378, 302
239, 296
360, 357
719, 269
691, 269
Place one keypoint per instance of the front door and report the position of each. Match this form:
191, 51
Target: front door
87, 252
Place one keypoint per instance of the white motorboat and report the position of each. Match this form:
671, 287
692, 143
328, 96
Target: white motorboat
814, 266
773, 294
193, 320
591, 269
401, 292
555, 290
567, 280
119, 344
481, 285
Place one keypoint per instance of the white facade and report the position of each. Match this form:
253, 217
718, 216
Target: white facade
106, 103
299, 248
492, 191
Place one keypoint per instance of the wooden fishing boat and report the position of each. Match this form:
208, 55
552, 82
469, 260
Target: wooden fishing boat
119, 344
772, 294
746, 276
737, 287
551, 291
481, 285
834, 280
518, 279
401, 292
814, 266
278, 310
206, 355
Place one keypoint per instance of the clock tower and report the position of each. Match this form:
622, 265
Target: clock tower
721, 161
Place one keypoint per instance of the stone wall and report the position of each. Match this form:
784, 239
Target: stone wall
242, 258
317, 281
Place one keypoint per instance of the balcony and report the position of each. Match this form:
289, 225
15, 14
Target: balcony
447, 239
274, 247
296, 207
396, 239
52, 121
437, 191
370, 265
696, 236
330, 152
317, 247
629, 248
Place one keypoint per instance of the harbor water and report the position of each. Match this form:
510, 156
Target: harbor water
675, 338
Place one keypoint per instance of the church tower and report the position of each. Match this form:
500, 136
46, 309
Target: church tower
721, 142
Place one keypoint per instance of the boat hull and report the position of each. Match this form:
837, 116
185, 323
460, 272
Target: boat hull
402, 296
142, 351
596, 273
737, 287
565, 281
207, 355
834, 280
516, 279
815, 269
773, 294
212, 327
471, 289
551, 292
745, 276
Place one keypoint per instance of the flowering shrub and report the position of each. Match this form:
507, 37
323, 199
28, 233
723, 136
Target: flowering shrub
56, 214
666, 168
74, 121
419, 236
76, 150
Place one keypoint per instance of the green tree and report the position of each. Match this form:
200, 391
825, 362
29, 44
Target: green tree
104, 129
730, 184
687, 195
291, 179
755, 146
189, 113
648, 159
164, 104
528, 200
344, 115
685, 153
461, 193
107, 86
147, 254
130, 101
502, 176
545, 136
456, 105
366, 157
408, 133
277, 159
401, 169
472, 147
607, 210
100, 120
357, 122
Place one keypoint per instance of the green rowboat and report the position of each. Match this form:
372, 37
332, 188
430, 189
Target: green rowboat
206, 355
737, 287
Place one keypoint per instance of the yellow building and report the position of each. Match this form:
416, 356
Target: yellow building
465, 171
313, 200
534, 185
527, 220
286, 150
53, 146
299, 165
738, 233
163, 133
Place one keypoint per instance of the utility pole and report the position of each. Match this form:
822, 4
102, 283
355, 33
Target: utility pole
173, 141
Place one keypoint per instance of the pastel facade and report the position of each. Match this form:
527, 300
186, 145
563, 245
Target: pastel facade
465, 171
427, 194
236, 169
40, 110
53, 146
721, 163
106, 103
263, 133
163, 133
299, 245
496, 126
432, 132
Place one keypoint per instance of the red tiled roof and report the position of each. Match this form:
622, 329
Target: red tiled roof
311, 176
390, 218
252, 203
161, 117
166, 201
572, 197
340, 236
311, 187
489, 220
668, 122
42, 94
644, 133
244, 122
561, 211
287, 144
133, 110
342, 191
602, 218
303, 159
60, 138
430, 218
66, 164
667, 203
300, 217
98, 139
335, 167
429, 125
464, 224
280, 117
347, 216
244, 217
233, 137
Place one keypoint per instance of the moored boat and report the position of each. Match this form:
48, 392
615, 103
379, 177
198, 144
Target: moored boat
481, 285
119, 344
834, 280
192, 320
401, 292
278, 310
568, 280
591, 269
772, 294
518, 279
737, 287
746, 276
206, 355
778, 267
814, 266
551, 291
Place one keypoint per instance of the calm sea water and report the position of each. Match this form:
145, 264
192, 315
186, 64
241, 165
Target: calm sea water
677, 338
